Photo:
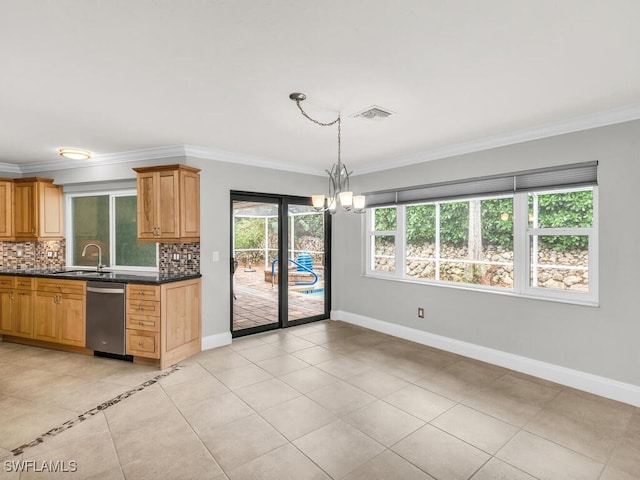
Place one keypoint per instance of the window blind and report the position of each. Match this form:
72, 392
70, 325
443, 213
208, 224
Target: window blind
573, 175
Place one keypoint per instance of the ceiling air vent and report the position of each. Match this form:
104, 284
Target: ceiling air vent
373, 114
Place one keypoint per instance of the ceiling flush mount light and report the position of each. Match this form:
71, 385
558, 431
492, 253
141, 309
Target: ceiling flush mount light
75, 153
339, 191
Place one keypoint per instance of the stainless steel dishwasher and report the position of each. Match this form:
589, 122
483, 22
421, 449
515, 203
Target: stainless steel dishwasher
106, 319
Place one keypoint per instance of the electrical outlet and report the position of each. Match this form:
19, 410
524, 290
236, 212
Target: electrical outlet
189, 256
55, 254
176, 256
19, 252
49, 254
420, 312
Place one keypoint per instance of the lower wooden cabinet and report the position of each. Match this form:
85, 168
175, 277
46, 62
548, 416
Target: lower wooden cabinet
16, 306
59, 311
164, 321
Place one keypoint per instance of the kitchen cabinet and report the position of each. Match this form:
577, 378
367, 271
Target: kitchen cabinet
168, 203
37, 209
16, 306
164, 321
6, 208
59, 311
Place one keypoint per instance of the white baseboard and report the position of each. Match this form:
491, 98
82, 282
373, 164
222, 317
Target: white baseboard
215, 341
605, 387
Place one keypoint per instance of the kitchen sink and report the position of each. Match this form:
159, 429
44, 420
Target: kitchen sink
82, 273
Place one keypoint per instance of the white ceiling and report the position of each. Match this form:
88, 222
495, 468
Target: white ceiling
124, 75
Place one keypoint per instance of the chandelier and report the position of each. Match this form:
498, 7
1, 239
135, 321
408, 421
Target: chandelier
339, 191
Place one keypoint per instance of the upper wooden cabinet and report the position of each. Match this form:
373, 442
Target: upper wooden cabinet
38, 209
6, 208
168, 203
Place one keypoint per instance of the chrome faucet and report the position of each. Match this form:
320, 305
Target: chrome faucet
84, 251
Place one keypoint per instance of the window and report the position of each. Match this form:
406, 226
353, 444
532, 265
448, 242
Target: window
532, 242
109, 220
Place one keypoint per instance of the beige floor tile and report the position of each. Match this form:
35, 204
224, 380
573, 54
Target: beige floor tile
22, 420
338, 448
20, 379
343, 367
145, 406
547, 460
447, 458
133, 375
284, 462
112, 474
377, 383
308, 379
239, 442
163, 449
388, 465
215, 412
343, 346
496, 469
221, 359
591, 428
189, 371
458, 380
196, 390
263, 395
340, 398
480, 430
383, 422
626, 456
261, 352
315, 355
419, 402
513, 399
282, 364
243, 376
239, 344
92, 368
611, 473
88, 395
292, 344
47, 388
297, 417
92, 456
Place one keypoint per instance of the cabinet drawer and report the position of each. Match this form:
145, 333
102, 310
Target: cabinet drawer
143, 344
143, 322
61, 286
7, 282
143, 307
143, 292
25, 283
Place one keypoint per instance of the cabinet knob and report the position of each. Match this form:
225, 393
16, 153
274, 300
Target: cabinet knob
58, 286
140, 323
140, 308
140, 292
140, 344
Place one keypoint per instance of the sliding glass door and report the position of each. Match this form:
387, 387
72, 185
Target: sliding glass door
280, 262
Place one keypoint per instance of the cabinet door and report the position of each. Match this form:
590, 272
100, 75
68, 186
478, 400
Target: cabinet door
168, 201
189, 205
45, 316
25, 210
71, 314
147, 206
6, 210
23, 314
50, 210
6, 308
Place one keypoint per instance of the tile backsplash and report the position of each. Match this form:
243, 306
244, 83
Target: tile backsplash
187, 259
23, 255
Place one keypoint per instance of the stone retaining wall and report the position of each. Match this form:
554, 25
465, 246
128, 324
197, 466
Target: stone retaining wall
421, 264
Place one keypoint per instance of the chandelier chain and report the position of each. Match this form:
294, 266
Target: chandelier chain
323, 124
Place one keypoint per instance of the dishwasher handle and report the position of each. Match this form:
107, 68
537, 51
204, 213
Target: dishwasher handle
105, 290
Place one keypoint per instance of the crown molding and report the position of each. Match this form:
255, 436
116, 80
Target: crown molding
10, 168
576, 124
250, 160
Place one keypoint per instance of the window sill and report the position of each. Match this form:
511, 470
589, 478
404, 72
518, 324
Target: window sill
481, 289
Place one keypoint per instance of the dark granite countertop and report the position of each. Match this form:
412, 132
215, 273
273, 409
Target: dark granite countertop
150, 278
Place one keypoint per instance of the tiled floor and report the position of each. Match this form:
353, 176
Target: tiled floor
319, 401
256, 300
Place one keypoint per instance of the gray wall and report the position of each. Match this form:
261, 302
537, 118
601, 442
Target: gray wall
599, 340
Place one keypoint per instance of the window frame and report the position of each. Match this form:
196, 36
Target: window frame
112, 194
522, 235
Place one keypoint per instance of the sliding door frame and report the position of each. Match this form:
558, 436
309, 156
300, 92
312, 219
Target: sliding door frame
283, 202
